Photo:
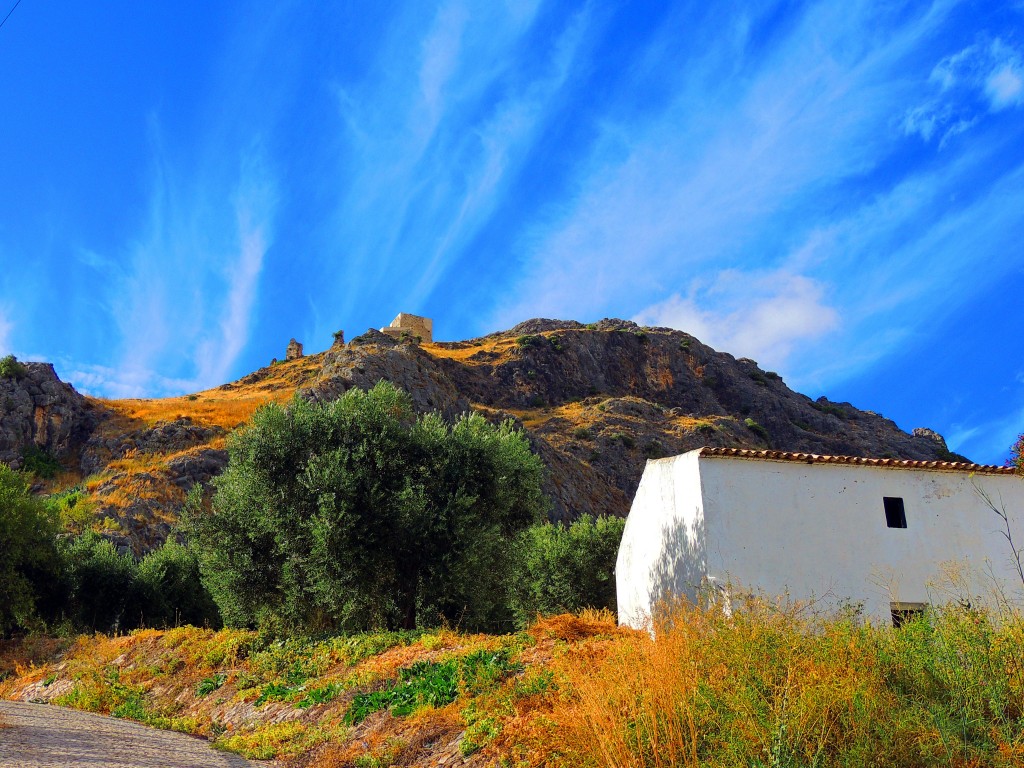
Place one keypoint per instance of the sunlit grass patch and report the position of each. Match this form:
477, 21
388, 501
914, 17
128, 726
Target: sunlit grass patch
279, 739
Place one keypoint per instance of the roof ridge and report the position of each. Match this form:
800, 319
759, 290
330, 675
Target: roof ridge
815, 458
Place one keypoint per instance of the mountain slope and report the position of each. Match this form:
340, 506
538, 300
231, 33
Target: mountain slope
596, 400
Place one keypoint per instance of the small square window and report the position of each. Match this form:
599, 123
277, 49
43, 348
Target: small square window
895, 514
904, 612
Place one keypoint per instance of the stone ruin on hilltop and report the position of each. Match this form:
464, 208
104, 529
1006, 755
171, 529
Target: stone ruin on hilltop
411, 325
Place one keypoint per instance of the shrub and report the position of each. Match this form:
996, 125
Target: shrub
356, 514
756, 428
174, 594
40, 462
106, 594
29, 564
10, 368
567, 568
75, 510
621, 437
531, 340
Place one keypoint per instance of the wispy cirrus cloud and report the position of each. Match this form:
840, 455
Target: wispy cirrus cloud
756, 316
979, 80
430, 157
255, 202
827, 258
184, 302
683, 189
5, 333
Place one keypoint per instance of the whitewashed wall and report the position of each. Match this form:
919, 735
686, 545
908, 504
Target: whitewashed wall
812, 531
662, 547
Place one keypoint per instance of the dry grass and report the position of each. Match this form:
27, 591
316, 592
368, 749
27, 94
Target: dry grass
766, 686
483, 353
225, 407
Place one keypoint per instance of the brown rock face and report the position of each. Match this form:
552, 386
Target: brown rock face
597, 401
374, 356
38, 409
294, 350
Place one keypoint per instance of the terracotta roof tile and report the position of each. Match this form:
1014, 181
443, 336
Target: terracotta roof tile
813, 458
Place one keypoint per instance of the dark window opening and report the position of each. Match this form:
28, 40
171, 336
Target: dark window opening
895, 514
902, 613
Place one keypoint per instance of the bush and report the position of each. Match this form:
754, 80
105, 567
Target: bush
757, 429
105, 592
29, 563
528, 341
356, 514
173, 591
567, 569
10, 368
40, 462
766, 685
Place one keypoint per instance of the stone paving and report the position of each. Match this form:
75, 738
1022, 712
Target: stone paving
41, 736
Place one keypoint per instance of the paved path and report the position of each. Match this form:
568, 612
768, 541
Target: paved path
41, 736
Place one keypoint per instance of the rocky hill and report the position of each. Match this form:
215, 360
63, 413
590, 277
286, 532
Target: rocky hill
597, 401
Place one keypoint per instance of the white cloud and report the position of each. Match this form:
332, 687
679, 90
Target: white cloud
5, 333
433, 142
440, 56
991, 73
992, 438
758, 316
255, 202
120, 382
688, 189
1005, 86
184, 301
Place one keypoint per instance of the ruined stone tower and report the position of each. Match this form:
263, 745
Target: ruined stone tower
294, 351
411, 325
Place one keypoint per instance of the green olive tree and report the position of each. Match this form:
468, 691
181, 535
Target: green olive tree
357, 514
29, 561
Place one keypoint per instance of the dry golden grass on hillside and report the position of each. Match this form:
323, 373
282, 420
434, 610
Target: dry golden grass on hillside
769, 685
478, 352
226, 406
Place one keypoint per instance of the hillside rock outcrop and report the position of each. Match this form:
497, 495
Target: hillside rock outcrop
39, 410
596, 401
374, 356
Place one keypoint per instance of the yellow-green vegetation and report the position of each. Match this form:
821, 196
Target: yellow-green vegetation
226, 406
765, 686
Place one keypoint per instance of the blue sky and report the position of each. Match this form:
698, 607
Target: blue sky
833, 189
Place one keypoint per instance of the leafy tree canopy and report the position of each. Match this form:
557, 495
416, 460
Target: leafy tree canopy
357, 514
28, 556
567, 568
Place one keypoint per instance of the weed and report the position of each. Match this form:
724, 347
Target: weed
322, 695
433, 684
210, 684
757, 429
531, 341
275, 692
40, 462
10, 368
621, 437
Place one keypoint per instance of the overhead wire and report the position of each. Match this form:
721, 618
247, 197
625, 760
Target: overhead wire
9, 14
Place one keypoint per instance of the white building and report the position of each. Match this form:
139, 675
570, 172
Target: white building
830, 528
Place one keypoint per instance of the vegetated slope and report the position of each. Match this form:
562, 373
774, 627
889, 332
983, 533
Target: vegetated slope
765, 683
597, 401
